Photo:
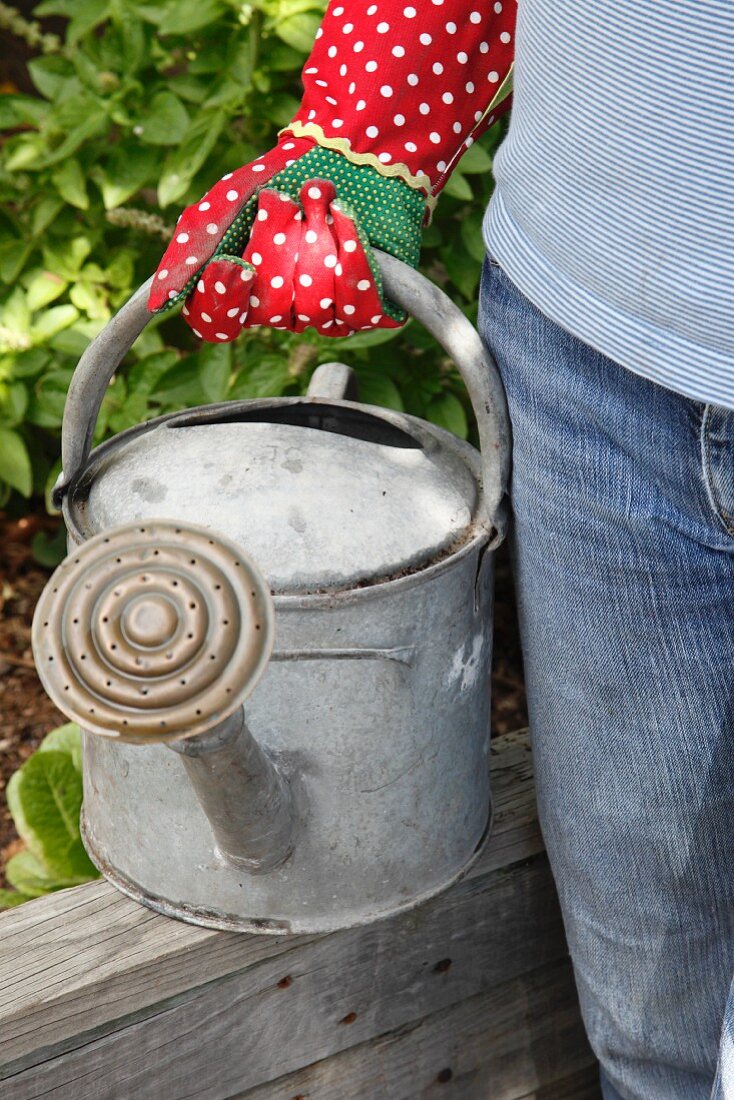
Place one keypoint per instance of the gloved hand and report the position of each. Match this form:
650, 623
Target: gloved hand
391, 102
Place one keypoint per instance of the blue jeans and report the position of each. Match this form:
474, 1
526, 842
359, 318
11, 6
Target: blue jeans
623, 544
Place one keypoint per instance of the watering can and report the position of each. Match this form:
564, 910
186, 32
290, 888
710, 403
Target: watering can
274, 628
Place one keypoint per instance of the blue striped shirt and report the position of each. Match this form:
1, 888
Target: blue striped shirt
614, 207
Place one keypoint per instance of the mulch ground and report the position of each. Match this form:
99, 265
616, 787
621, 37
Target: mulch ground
27, 714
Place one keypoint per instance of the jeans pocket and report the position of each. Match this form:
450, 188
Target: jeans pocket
717, 448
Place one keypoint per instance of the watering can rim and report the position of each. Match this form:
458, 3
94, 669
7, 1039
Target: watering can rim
415, 294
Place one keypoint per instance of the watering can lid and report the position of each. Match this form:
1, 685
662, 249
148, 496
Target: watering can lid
322, 496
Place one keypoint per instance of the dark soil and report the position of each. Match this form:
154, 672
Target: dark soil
27, 714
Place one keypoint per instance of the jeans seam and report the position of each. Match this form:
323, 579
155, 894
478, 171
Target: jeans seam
724, 517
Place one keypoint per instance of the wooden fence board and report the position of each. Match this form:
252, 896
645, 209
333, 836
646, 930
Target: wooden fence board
583, 1085
502, 1045
287, 1011
77, 960
101, 999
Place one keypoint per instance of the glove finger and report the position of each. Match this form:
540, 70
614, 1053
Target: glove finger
202, 225
358, 301
315, 291
273, 252
217, 308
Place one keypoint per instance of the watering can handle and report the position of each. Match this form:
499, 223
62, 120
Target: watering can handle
403, 285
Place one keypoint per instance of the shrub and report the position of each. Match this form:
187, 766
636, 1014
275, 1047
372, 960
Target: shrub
138, 108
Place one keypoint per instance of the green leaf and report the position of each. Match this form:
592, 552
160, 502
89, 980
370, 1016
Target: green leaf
75, 340
165, 122
50, 551
87, 14
475, 160
185, 16
27, 874
120, 272
463, 272
375, 388
144, 376
448, 412
432, 237
52, 321
180, 166
188, 87
46, 406
127, 170
458, 188
18, 109
90, 299
95, 123
16, 314
283, 59
69, 181
112, 405
215, 366
44, 213
55, 7
45, 798
13, 257
10, 898
30, 876
471, 236
299, 31
133, 411
268, 377
30, 363
50, 75
15, 463
280, 108
181, 385
370, 339
68, 258
131, 36
43, 288
13, 403
67, 738
25, 152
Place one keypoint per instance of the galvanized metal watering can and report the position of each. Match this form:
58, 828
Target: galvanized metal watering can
329, 562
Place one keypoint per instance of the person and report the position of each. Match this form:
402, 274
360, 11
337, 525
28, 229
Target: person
606, 299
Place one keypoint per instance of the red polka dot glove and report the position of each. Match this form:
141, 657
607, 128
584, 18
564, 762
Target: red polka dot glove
392, 100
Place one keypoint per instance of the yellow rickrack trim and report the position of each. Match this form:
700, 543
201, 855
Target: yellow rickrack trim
343, 145
504, 90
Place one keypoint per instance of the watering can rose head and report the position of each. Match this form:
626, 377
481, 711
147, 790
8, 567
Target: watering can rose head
388, 110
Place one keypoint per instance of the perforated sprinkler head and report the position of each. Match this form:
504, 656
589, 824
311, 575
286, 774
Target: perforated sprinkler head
153, 631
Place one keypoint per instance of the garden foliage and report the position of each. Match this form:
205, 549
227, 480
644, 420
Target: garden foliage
45, 798
138, 108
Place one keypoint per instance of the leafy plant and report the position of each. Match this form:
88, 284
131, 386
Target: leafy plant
45, 798
135, 111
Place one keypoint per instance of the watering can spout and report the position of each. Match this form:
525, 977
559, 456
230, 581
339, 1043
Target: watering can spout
156, 633
244, 794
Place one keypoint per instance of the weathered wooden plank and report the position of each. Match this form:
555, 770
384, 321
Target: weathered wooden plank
80, 960
505, 1044
331, 993
583, 1085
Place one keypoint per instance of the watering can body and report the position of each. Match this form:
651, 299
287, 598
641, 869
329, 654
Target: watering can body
374, 532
